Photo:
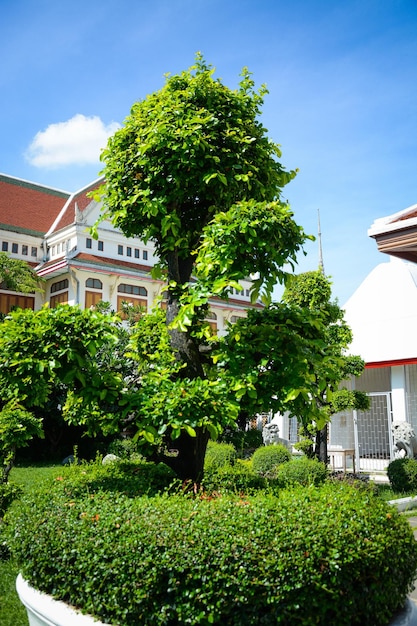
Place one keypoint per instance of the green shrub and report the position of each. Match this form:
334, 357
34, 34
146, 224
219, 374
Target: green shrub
237, 478
302, 471
132, 478
8, 493
402, 474
218, 455
124, 448
266, 459
312, 556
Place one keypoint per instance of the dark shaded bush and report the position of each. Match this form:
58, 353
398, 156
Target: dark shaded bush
312, 556
218, 455
266, 459
243, 439
124, 448
302, 471
402, 474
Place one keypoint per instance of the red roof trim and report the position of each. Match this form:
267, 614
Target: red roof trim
374, 364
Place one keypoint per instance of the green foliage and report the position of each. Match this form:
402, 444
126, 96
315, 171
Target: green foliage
265, 460
272, 356
313, 556
402, 474
17, 275
124, 448
8, 493
40, 348
192, 148
218, 455
17, 427
132, 478
238, 479
302, 471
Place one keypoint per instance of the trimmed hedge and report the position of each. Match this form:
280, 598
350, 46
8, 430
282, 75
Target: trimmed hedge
402, 474
302, 471
266, 459
237, 478
311, 556
219, 455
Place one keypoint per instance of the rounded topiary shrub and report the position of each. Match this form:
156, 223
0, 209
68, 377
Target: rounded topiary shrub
312, 556
301, 471
219, 455
265, 460
237, 478
402, 474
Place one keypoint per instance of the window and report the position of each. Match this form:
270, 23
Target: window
119, 249
5, 246
145, 255
100, 246
137, 253
59, 286
88, 243
34, 251
15, 248
128, 251
94, 283
133, 290
24, 250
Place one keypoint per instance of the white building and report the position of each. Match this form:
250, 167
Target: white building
50, 229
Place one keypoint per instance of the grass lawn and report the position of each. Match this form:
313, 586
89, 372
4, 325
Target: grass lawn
12, 612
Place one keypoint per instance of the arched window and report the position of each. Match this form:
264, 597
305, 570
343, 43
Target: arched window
212, 321
60, 293
92, 297
133, 294
134, 290
94, 283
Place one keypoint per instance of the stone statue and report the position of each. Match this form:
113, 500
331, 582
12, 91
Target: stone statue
270, 435
405, 441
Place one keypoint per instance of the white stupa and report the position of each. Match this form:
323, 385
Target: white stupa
382, 314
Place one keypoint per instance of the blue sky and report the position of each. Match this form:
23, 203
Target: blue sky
342, 80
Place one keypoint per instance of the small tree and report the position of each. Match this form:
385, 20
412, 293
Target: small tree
193, 170
311, 291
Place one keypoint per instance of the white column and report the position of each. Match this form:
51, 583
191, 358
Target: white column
399, 407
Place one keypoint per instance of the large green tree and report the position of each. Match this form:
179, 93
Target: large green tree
194, 171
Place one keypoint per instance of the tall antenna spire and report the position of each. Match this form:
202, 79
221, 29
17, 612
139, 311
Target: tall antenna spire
321, 264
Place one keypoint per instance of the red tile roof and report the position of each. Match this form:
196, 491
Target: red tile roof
83, 258
27, 207
82, 201
116, 263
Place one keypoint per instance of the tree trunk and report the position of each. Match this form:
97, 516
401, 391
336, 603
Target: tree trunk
188, 462
321, 445
184, 347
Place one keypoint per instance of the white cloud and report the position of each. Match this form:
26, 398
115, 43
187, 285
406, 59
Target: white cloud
77, 141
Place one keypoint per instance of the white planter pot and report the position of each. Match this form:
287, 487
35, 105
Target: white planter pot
43, 610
